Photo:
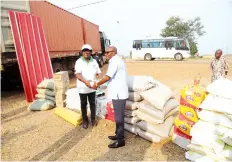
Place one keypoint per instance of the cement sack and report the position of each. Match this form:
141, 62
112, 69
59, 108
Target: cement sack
46, 92
46, 84
180, 141
101, 103
150, 137
41, 104
139, 83
157, 96
148, 118
42, 96
131, 128
73, 99
131, 120
221, 87
206, 151
173, 113
196, 157
135, 96
130, 113
227, 152
215, 118
228, 116
130, 105
211, 128
159, 129
145, 107
227, 138
202, 137
218, 104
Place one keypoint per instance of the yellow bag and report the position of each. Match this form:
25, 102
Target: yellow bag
183, 125
192, 96
189, 113
71, 116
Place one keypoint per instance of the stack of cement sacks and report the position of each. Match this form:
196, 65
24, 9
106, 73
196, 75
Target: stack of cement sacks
45, 97
212, 134
131, 118
61, 82
153, 117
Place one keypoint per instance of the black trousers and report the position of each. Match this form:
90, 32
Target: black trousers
119, 112
91, 97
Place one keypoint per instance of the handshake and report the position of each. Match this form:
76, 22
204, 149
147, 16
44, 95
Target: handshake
91, 84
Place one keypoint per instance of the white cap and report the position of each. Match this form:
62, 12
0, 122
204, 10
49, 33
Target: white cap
86, 46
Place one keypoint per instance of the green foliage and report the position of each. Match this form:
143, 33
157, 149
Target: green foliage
190, 29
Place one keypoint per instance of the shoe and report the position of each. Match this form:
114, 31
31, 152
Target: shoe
85, 125
94, 123
117, 144
112, 137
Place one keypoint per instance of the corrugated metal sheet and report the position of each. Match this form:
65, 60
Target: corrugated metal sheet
92, 35
31, 51
63, 29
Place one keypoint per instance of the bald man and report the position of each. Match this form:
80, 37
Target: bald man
117, 91
219, 66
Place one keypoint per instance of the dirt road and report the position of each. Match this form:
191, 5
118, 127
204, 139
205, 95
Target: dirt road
43, 136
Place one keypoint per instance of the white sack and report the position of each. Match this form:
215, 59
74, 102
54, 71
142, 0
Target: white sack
227, 138
148, 118
206, 151
130, 105
145, 107
150, 137
139, 83
215, 118
131, 128
196, 157
41, 104
227, 152
210, 127
46, 84
180, 141
130, 113
131, 120
218, 104
228, 116
202, 137
135, 96
157, 96
221, 87
159, 129
46, 92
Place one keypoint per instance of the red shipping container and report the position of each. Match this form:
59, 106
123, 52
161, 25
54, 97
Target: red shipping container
92, 35
63, 30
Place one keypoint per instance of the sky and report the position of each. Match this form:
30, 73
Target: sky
125, 20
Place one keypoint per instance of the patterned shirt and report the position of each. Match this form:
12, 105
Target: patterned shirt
219, 68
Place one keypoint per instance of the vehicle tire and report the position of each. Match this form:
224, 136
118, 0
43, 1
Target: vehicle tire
148, 57
153, 59
178, 57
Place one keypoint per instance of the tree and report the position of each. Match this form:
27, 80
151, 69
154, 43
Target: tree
190, 29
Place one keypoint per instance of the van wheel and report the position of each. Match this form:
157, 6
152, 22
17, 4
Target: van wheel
148, 57
178, 57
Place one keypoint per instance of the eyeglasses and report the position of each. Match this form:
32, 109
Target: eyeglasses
108, 52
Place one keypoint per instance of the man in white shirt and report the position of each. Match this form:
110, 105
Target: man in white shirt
86, 71
117, 91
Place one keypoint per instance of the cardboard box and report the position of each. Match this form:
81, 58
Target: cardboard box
60, 104
61, 80
60, 97
60, 76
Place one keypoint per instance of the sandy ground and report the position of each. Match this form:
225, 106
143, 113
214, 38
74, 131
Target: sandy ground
43, 136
